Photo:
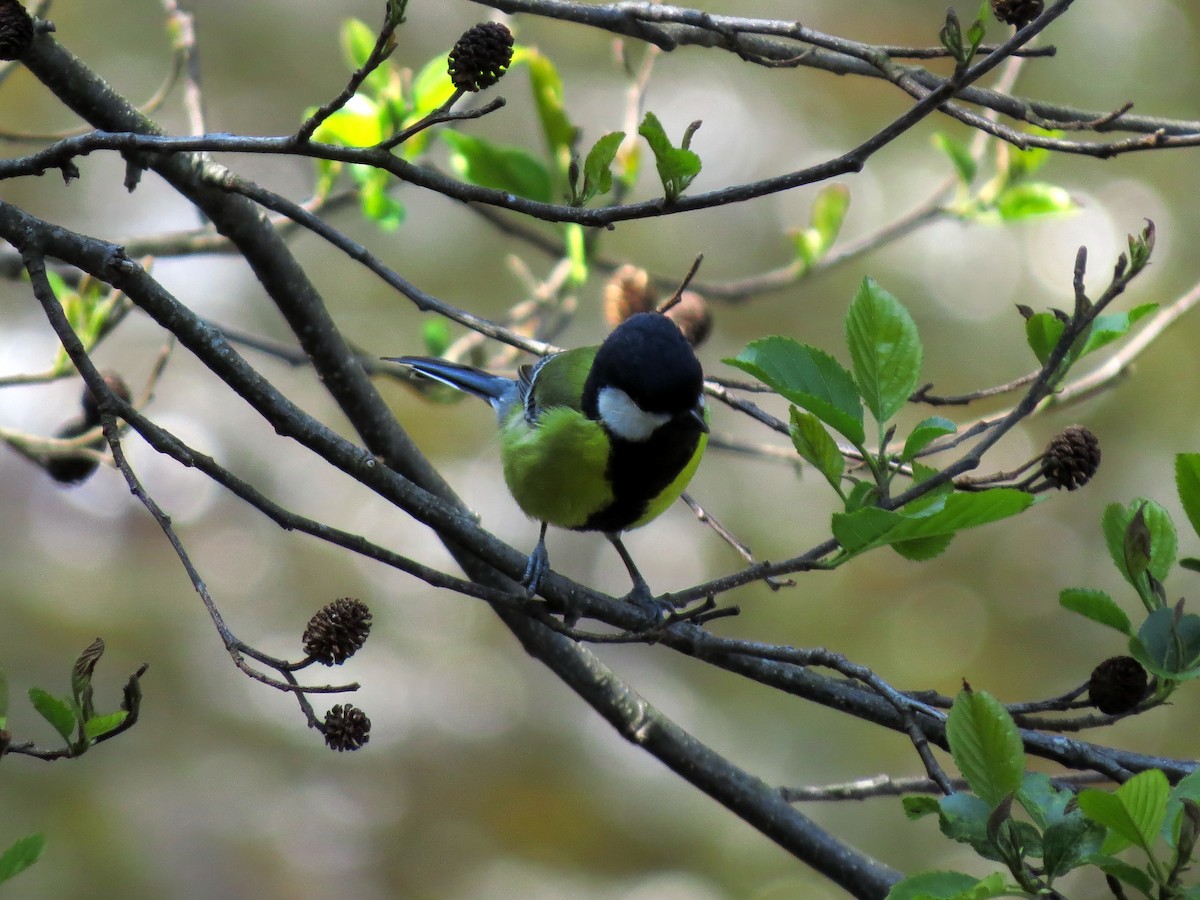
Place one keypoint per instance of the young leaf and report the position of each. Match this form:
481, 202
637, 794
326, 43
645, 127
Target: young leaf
58, 713
547, 89
918, 806
923, 549
825, 223
1031, 199
21, 855
1042, 332
1109, 327
358, 40
97, 726
808, 377
677, 166
986, 746
81, 676
597, 167
1133, 814
1116, 523
502, 168
885, 349
959, 154
1097, 606
1187, 483
814, 445
924, 433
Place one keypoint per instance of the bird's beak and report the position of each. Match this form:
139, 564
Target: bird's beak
697, 413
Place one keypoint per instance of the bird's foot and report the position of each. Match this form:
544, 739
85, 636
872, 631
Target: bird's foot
536, 568
655, 610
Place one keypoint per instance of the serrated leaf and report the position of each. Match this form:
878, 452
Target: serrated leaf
1168, 645
923, 549
97, 726
986, 746
1033, 199
871, 527
809, 378
1134, 813
677, 166
817, 447
597, 167
59, 713
21, 855
959, 154
502, 168
885, 349
963, 817
1187, 483
924, 433
1097, 606
1042, 332
1068, 844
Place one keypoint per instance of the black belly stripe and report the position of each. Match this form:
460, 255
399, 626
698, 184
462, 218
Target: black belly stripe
640, 471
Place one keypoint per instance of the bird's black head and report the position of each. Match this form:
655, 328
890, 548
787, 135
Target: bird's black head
648, 358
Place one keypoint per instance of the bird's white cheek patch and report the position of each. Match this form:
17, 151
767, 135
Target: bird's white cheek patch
626, 419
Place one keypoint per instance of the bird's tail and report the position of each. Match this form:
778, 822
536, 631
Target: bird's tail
495, 389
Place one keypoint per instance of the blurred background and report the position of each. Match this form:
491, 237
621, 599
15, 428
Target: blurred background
485, 777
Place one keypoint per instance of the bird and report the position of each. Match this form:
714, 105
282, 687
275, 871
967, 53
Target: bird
602, 438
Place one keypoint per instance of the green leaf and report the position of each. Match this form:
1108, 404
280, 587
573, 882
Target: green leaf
1109, 327
1187, 483
435, 336
825, 223
963, 817
815, 445
947, 886
959, 154
376, 203
557, 130
358, 40
1168, 644
431, 87
98, 726
677, 166
1133, 814
1097, 606
808, 377
918, 806
923, 549
1032, 199
871, 527
924, 433
1188, 788
986, 746
357, 124
502, 168
1042, 332
885, 349
21, 855
597, 167
59, 713
1116, 523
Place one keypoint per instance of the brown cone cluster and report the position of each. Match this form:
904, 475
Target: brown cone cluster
1017, 12
1071, 458
16, 30
1117, 685
337, 631
481, 56
346, 728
